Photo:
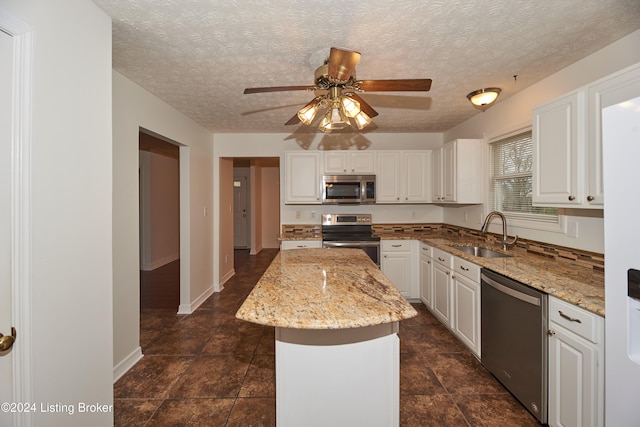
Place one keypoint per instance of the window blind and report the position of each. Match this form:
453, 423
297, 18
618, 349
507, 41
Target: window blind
511, 179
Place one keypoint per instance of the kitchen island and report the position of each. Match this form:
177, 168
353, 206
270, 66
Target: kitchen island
337, 349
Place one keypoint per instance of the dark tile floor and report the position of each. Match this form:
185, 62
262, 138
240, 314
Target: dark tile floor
210, 369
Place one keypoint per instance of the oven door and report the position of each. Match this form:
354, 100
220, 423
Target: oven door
370, 248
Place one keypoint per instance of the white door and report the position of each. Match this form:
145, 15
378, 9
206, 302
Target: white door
6, 321
240, 214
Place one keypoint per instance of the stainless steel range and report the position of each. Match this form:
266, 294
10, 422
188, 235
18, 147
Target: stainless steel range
350, 231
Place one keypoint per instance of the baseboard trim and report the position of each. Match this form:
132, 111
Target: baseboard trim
190, 308
127, 363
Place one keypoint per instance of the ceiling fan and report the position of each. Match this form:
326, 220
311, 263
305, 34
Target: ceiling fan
336, 89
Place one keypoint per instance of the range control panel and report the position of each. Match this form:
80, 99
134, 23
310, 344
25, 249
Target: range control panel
633, 283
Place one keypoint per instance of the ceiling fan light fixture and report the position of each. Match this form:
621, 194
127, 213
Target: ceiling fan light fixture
362, 120
308, 113
351, 106
335, 119
483, 98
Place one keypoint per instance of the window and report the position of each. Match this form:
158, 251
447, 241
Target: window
511, 182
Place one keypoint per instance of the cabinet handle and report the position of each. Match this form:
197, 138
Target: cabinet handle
463, 268
429, 262
441, 259
572, 198
396, 246
551, 332
590, 198
447, 273
569, 318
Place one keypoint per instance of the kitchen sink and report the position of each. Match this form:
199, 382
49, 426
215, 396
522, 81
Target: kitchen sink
481, 252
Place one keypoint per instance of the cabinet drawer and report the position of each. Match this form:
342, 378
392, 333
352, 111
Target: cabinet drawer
395, 245
300, 244
442, 257
575, 319
467, 269
426, 250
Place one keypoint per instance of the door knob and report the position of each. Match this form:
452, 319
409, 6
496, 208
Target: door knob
6, 341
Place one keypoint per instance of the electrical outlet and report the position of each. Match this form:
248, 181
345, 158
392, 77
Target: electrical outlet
413, 215
298, 214
313, 214
572, 228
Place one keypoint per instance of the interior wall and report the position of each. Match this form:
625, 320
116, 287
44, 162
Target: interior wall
135, 108
69, 263
516, 112
270, 218
225, 210
161, 218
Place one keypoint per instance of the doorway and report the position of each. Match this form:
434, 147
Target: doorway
159, 222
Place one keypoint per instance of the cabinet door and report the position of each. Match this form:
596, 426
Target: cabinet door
397, 267
613, 90
416, 173
387, 177
466, 303
442, 294
362, 162
436, 175
302, 177
573, 377
426, 288
335, 162
449, 171
557, 155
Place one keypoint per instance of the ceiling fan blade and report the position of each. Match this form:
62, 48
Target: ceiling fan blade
364, 107
293, 120
277, 89
394, 85
342, 63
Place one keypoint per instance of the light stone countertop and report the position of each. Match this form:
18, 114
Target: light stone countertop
579, 285
324, 289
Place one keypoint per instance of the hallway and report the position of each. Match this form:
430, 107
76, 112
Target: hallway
210, 369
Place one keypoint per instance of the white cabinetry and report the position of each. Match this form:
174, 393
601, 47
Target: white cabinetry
454, 284
426, 275
344, 162
302, 177
400, 264
558, 155
457, 172
442, 287
300, 244
567, 141
466, 303
576, 366
403, 176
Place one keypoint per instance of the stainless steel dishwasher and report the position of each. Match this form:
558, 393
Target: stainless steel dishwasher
514, 339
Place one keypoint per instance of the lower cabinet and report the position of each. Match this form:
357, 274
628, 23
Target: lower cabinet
426, 275
455, 297
576, 366
399, 262
442, 287
466, 303
300, 244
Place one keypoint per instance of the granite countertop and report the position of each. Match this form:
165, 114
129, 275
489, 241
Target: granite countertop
565, 280
324, 289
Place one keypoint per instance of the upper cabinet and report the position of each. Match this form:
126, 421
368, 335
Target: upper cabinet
403, 176
567, 141
302, 177
344, 162
457, 172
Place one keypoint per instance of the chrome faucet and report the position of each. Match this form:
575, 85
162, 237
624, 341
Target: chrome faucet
505, 244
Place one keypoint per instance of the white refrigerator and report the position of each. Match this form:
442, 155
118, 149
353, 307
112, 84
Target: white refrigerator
621, 165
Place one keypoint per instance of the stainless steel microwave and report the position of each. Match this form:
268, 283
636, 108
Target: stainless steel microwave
348, 189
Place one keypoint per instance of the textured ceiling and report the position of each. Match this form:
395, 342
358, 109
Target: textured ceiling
199, 55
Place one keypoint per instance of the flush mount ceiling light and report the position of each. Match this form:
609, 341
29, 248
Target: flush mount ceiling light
483, 98
336, 86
